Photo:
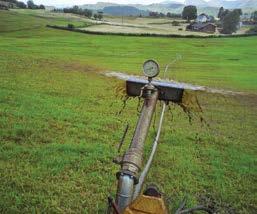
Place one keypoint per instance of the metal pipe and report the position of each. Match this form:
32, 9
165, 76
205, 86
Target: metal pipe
144, 121
125, 191
132, 160
150, 160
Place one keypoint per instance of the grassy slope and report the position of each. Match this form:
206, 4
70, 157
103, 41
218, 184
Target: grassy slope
218, 62
58, 121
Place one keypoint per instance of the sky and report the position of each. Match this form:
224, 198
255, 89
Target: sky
80, 2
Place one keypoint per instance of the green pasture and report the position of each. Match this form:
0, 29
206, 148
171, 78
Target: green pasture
61, 119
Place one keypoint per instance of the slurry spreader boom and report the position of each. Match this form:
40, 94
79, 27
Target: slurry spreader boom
129, 199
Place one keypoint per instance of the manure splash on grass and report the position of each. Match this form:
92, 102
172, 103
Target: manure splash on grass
120, 92
190, 105
190, 101
175, 84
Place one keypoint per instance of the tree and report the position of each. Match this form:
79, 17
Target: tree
175, 23
75, 9
154, 14
42, 7
168, 15
21, 4
254, 16
161, 15
230, 22
223, 14
100, 15
239, 11
173, 15
88, 13
70, 26
221, 11
31, 4
189, 12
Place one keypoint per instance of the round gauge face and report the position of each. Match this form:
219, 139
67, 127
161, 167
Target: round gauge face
151, 68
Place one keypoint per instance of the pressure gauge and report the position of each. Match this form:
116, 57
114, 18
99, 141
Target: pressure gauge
151, 68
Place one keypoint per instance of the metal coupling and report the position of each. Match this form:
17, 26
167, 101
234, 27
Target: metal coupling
148, 90
132, 161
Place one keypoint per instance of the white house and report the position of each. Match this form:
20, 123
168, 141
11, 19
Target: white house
202, 18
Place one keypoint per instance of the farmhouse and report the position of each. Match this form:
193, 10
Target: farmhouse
202, 18
202, 27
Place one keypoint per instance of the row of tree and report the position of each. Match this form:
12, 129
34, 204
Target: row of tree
30, 4
79, 11
161, 15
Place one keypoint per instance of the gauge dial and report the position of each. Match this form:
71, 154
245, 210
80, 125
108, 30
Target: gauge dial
151, 68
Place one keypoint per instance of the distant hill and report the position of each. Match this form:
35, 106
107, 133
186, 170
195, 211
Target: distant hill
199, 3
175, 5
124, 11
98, 5
233, 4
211, 7
224, 3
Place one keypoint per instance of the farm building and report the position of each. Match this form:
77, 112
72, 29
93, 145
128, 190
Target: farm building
202, 27
202, 18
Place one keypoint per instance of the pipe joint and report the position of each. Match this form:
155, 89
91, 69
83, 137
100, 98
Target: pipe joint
132, 161
149, 90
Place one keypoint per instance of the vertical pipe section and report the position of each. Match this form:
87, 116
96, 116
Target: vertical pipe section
132, 160
125, 191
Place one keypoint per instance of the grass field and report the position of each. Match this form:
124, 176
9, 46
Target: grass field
148, 25
60, 121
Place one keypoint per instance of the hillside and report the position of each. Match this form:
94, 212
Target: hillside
61, 118
124, 11
210, 7
98, 5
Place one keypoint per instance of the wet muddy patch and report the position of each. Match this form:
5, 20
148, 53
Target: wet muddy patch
175, 84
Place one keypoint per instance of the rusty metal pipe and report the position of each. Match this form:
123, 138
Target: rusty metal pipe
132, 160
149, 162
144, 121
